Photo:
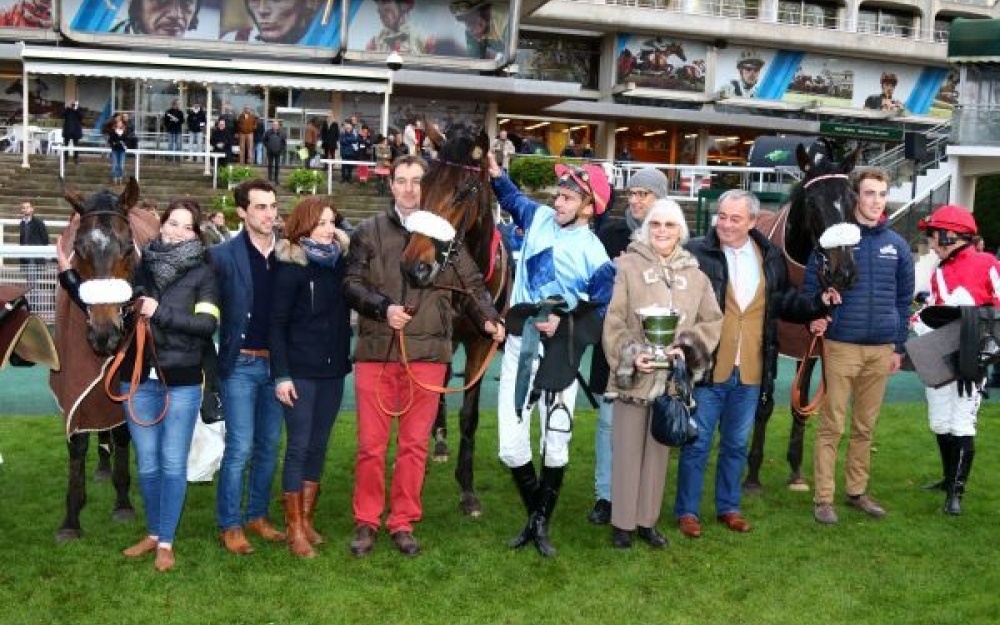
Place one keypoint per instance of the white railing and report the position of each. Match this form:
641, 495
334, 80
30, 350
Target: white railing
138, 155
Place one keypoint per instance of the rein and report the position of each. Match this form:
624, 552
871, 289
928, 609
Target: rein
802, 374
139, 335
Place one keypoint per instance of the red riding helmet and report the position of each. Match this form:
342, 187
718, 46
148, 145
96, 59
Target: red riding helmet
953, 218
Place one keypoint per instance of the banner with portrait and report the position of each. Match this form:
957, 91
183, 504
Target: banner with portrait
461, 28
290, 22
660, 62
30, 14
794, 76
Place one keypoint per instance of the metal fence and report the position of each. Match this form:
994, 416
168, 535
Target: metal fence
37, 275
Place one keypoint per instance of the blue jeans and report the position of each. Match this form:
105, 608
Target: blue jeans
161, 451
308, 424
117, 164
174, 144
729, 406
602, 450
253, 432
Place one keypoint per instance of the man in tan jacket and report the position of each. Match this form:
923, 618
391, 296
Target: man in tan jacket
246, 123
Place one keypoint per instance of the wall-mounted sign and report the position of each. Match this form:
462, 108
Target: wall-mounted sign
874, 133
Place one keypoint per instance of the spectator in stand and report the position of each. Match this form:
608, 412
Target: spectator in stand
197, 123
214, 231
348, 151
246, 124
222, 143
230, 118
72, 130
329, 134
32, 232
503, 149
258, 142
120, 139
275, 144
310, 140
173, 123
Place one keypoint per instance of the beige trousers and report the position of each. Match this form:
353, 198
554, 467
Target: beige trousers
638, 469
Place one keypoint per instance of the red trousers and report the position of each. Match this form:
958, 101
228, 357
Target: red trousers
383, 389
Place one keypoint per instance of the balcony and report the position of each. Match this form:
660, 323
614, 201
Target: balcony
976, 126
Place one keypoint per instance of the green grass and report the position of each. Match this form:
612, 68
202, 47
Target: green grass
914, 566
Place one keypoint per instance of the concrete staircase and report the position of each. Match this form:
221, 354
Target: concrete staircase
161, 181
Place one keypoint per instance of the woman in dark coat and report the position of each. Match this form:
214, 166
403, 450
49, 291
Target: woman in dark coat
309, 340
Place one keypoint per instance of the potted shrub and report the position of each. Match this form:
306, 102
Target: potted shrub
304, 180
232, 175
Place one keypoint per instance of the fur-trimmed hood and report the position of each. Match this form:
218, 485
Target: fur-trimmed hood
288, 252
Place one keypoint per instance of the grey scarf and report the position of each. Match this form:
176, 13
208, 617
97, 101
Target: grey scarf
166, 262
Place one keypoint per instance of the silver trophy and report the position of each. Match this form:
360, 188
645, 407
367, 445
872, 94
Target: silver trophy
659, 325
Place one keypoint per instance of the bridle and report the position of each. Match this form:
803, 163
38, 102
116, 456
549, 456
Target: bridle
113, 290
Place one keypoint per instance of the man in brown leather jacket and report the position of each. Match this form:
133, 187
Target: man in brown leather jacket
375, 287
246, 123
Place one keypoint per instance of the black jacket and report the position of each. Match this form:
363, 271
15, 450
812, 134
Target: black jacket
179, 332
196, 120
72, 124
173, 120
310, 334
782, 299
615, 235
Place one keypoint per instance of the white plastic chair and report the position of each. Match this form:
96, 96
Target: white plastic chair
54, 138
13, 138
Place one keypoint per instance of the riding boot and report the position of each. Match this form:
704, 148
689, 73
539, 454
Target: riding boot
552, 478
527, 485
310, 493
965, 451
296, 534
945, 443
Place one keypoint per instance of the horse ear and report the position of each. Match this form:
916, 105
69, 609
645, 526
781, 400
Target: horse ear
851, 161
802, 156
130, 196
74, 198
483, 142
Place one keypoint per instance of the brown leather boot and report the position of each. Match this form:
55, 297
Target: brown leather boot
297, 542
235, 541
310, 493
263, 528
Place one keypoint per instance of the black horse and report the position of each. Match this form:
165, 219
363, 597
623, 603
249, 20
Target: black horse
822, 199
102, 242
457, 188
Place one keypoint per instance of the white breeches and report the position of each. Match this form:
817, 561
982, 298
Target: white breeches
514, 427
948, 413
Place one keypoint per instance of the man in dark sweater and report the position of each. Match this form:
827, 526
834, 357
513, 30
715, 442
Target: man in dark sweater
33, 232
173, 123
72, 130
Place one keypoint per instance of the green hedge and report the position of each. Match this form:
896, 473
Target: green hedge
535, 172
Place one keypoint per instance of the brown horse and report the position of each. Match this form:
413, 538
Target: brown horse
823, 198
457, 188
103, 240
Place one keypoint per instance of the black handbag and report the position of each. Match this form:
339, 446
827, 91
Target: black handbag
672, 423
211, 398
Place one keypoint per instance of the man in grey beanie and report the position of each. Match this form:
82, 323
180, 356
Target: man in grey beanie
644, 187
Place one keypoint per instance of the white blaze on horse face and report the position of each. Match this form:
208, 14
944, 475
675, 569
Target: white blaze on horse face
100, 239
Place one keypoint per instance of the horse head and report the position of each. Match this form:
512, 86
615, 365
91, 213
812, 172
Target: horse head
821, 217
454, 203
104, 254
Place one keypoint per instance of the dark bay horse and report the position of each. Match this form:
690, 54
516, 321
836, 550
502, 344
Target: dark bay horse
457, 188
822, 199
102, 240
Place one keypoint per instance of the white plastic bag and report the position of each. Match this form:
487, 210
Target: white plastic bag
207, 445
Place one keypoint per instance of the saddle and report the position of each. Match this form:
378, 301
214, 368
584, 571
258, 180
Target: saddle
964, 343
24, 339
563, 351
